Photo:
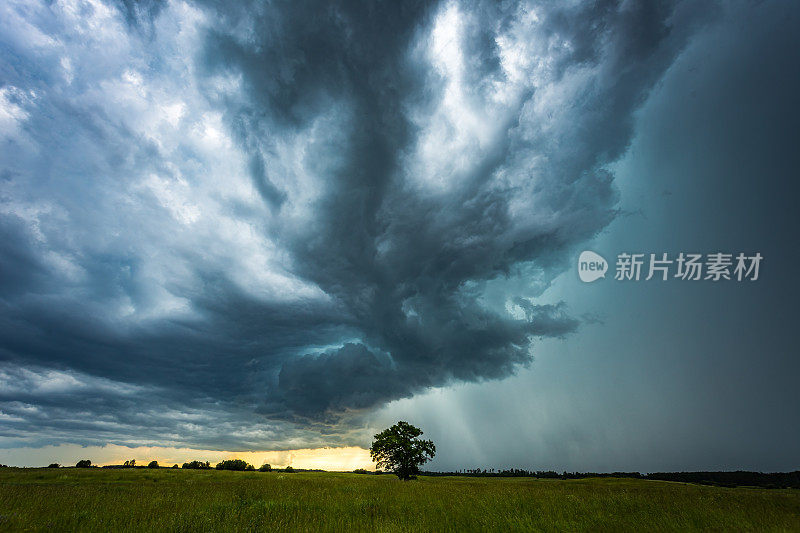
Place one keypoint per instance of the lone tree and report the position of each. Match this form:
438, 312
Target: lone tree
400, 450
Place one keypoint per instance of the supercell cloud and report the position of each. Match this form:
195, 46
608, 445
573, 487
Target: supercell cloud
244, 225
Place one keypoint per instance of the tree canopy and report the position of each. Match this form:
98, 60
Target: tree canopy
234, 464
197, 465
400, 450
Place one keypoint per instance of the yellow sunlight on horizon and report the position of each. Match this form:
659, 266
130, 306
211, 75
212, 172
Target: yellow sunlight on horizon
341, 459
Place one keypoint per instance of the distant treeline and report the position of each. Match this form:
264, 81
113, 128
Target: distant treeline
229, 464
739, 478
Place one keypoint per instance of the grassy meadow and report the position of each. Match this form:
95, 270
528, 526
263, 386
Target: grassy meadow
70, 499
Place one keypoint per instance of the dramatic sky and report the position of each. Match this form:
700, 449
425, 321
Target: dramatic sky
282, 226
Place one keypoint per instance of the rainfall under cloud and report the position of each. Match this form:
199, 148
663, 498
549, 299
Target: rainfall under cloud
246, 226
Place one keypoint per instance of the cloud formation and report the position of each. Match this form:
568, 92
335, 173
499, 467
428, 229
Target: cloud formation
268, 218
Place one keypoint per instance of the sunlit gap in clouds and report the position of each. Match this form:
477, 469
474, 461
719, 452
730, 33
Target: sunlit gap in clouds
332, 459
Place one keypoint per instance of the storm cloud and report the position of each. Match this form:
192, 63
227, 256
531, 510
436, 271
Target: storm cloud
243, 223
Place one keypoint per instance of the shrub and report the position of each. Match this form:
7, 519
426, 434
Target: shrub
233, 464
266, 467
175, 465
197, 465
361, 471
53, 465
83, 463
153, 464
288, 469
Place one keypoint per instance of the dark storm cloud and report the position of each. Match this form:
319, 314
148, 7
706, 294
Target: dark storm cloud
397, 260
406, 154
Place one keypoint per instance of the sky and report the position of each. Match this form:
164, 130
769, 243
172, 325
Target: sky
271, 230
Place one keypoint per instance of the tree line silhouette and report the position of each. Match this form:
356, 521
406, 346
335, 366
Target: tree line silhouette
228, 464
738, 478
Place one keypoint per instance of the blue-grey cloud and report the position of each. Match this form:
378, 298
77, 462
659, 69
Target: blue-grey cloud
299, 211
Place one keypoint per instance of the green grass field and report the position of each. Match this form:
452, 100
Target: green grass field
70, 499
